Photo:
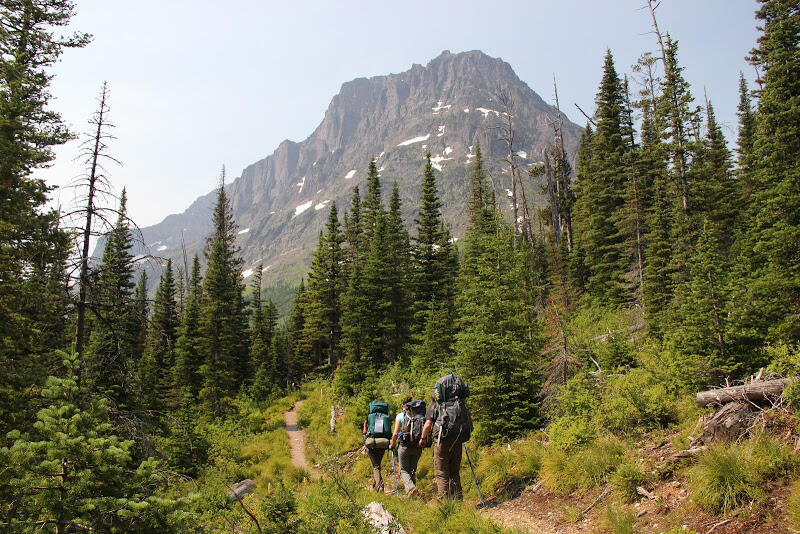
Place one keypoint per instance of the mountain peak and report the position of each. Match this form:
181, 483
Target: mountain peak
444, 107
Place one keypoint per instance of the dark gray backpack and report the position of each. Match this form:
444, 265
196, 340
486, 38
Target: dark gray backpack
453, 420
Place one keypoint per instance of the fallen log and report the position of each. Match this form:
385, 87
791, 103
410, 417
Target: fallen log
727, 424
240, 489
753, 391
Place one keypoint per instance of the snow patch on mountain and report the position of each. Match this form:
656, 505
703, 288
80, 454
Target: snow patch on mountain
415, 140
321, 205
247, 273
302, 207
350, 174
240, 232
439, 107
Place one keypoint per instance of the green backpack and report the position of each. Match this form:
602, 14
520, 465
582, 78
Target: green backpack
379, 426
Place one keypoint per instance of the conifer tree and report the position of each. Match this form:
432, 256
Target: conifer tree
715, 185
399, 250
774, 258
495, 338
433, 269
33, 249
326, 283
142, 314
72, 474
223, 321
188, 351
353, 229
302, 362
602, 182
156, 370
744, 143
110, 356
372, 204
698, 339
260, 344
355, 328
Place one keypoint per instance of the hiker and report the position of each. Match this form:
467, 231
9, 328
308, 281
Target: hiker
449, 424
377, 431
408, 430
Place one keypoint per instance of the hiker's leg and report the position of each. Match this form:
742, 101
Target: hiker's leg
416, 453
375, 457
440, 472
405, 459
454, 466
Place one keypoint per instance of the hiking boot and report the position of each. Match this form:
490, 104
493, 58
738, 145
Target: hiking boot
414, 491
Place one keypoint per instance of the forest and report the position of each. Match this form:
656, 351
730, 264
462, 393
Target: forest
665, 263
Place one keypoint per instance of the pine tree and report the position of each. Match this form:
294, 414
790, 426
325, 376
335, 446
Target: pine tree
326, 283
774, 259
353, 229
355, 328
496, 335
110, 356
301, 362
715, 185
602, 182
223, 321
698, 340
432, 255
72, 474
399, 251
372, 205
260, 344
188, 351
142, 314
744, 143
33, 249
156, 370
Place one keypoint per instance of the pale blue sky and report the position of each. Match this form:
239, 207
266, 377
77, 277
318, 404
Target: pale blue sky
195, 83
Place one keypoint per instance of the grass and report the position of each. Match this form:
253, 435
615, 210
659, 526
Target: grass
618, 520
730, 475
626, 478
793, 505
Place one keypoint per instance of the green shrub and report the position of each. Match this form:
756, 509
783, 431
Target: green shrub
618, 520
626, 478
527, 458
570, 432
494, 467
571, 514
615, 352
727, 476
635, 402
680, 530
592, 465
723, 479
769, 458
555, 464
793, 505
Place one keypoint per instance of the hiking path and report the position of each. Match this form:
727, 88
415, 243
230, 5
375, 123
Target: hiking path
297, 441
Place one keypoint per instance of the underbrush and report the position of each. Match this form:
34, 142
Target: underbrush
728, 476
582, 469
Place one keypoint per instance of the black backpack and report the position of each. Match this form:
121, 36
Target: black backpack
413, 422
453, 421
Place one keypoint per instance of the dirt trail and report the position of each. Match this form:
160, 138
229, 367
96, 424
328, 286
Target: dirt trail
297, 441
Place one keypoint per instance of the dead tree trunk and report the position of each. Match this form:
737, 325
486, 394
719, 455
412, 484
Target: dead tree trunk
753, 391
94, 155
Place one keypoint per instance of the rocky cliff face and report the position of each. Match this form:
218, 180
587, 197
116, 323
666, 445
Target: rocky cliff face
446, 107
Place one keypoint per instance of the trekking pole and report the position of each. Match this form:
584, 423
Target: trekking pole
473, 474
396, 487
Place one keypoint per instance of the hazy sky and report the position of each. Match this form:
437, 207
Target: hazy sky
195, 83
